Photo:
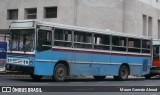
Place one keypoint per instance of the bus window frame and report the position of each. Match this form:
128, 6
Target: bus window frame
47, 46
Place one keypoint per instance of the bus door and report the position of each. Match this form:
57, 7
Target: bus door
43, 56
156, 56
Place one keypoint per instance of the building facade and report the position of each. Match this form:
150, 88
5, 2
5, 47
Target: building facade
140, 17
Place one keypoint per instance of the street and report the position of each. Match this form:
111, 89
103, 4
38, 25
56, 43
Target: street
25, 80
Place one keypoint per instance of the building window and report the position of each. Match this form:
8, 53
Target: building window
150, 26
159, 29
144, 25
51, 12
13, 14
31, 13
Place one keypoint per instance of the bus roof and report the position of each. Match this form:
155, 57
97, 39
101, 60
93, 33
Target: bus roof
78, 28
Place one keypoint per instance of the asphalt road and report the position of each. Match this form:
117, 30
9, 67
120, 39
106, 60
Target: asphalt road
25, 80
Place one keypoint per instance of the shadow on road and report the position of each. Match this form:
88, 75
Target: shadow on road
77, 79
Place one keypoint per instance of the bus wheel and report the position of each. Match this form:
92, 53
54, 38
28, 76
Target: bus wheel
99, 77
123, 73
60, 72
147, 76
36, 77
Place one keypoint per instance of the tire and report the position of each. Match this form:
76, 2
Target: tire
123, 73
147, 76
35, 77
99, 77
115, 77
60, 72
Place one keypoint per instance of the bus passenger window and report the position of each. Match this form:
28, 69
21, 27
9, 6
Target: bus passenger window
101, 42
134, 45
146, 45
82, 40
119, 43
63, 38
156, 52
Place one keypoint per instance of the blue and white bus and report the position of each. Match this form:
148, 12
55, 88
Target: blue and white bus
57, 50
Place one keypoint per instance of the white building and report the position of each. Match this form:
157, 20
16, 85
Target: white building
141, 17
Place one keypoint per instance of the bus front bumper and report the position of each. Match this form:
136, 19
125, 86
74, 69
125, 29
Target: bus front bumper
19, 68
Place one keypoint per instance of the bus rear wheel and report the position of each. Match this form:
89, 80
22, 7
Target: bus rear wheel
123, 73
147, 76
99, 77
36, 77
60, 72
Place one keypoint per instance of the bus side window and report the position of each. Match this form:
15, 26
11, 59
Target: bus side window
156, 52
119, 43
146, 45
134, 45
63, 38
101, 42
82, 40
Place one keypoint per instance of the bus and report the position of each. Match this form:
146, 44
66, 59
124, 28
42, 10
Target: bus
3, 55
155, 69
49, 49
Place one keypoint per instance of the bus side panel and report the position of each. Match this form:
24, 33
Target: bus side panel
45, 61
100, 64
82, 64
44, 68
137, 65
116, 61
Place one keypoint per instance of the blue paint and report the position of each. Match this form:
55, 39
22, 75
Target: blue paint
85, 64
3, 50
104, 67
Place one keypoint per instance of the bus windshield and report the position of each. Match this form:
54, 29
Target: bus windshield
156, 52
22, 40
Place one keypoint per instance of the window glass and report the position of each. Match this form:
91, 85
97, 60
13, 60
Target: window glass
51, 12
101, 39
82, 40
118, 43
146, 45
134, 45
101, 42
31, 13
63, 38
156, 52
13, 14
22, 40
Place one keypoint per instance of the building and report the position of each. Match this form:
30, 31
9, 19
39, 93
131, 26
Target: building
141, 17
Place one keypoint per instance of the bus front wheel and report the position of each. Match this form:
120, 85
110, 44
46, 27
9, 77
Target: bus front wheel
123, 73
60, 72
36, 77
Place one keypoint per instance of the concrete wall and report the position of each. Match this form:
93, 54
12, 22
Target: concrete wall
116, 15
133, 14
